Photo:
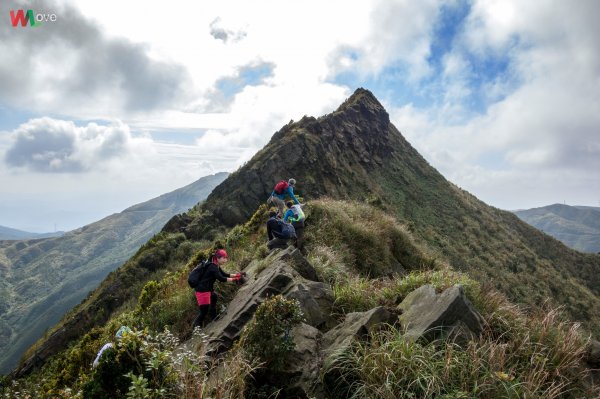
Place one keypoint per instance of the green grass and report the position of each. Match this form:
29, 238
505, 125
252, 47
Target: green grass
539, 357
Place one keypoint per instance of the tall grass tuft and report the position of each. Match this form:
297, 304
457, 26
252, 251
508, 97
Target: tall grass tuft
539, 356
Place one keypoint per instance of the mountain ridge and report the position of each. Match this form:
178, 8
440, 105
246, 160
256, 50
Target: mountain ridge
576, 226
355, 153
10, 234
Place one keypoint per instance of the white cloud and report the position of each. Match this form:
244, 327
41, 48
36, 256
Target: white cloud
539, 144
158, 67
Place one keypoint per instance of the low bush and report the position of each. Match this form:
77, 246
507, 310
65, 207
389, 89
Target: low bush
267, 337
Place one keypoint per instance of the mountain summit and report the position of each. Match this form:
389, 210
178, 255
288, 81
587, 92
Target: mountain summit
337, 155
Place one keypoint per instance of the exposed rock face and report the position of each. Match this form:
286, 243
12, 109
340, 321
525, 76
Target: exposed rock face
429, 315
303, 365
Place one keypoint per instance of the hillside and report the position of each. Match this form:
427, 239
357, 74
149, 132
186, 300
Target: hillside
356, 153
7, 233
42, 279
357, 156
576, 226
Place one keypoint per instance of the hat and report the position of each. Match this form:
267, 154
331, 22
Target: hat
292, 181
221, 253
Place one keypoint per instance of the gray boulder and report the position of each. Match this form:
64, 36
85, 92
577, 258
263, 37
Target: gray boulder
302, 366
335, 342
316, 300
449, 315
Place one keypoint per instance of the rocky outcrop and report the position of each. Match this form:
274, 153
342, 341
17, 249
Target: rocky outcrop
321, 339
280, 273
429, 315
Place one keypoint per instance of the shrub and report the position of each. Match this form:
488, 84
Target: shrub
148, 294
267, 337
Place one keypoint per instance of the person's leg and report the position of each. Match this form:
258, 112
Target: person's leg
213, 306
201, 315
280, 205
300, 237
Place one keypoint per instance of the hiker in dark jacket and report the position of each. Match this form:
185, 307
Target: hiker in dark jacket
295, 215
281, 191
205, 294
278, 232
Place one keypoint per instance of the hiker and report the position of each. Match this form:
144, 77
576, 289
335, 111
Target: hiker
278, 232
296, 216
119, 334
205, 294
281, 191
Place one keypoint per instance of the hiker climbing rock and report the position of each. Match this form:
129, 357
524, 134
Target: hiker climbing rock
296, 216
278, 232
118, 335
281, 191
203, 278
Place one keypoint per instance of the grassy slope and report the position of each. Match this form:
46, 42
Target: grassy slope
354, 247
43, 279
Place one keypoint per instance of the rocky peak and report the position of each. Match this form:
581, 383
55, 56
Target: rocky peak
362, 106
334, 155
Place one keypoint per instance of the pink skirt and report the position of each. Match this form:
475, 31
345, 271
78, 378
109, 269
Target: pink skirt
203, 298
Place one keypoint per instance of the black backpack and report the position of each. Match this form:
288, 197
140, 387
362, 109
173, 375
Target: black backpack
196, 274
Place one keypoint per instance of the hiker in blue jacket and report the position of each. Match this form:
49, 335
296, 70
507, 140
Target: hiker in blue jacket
281, 191
278, 231
205, 294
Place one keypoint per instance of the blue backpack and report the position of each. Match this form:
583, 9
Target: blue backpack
287, 230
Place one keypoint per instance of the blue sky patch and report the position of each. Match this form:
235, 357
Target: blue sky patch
249, 75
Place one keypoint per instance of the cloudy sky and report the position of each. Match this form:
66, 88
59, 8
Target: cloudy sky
117, 102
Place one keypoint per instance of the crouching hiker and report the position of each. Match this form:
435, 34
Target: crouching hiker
296, 216
278, 232
203, 278
119, 334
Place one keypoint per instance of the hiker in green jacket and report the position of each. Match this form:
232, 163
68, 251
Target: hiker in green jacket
295, 215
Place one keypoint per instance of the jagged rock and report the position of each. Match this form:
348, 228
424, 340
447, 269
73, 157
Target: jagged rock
300, 264
357, 325
302, 366
316, 300
429, 315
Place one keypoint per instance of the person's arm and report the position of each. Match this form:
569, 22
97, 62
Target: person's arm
288, 213
291, 193
217, 273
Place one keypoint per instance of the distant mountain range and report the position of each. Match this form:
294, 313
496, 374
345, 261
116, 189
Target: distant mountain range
41, 279
576, 226
7, 233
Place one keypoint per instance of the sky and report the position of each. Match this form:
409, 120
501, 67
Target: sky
104, 104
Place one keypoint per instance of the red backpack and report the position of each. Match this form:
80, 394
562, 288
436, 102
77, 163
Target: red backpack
281, 187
